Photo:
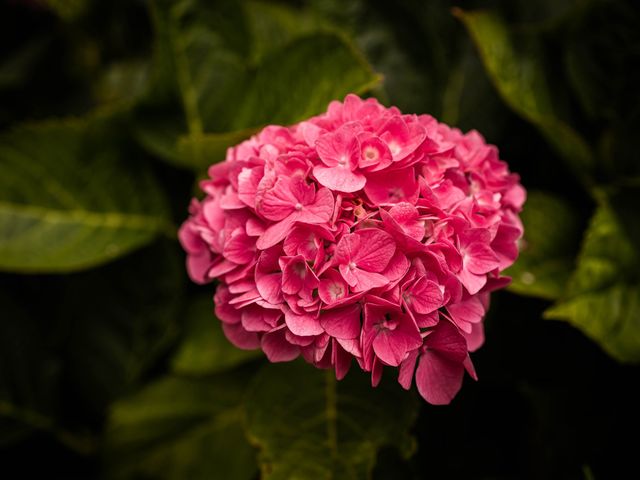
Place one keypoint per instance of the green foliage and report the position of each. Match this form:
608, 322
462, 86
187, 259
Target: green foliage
69, 200
228, 87
547, 249
204, 348
181, 428
603, 296
517, 68
113, 365
308, 425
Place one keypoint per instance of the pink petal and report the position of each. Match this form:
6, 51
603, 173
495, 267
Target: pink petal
237, 335
239, 247
351, 345
466, 312
220, 267
424, 296
438, 378
375, 249
339, 178
365, 280
339, 147
275, 233
406, 215
278, 202
248, 181
320, 210
472, 282
448, 342
392, 346
392, 187
342, 322
475, 338
224, 311
374, 153
257, 319
310, 132
332, 287
407, 368
397, 268
198, 266
376, 372
480, 259
505, 246
276, 347
341, 360
303, 325
294, 271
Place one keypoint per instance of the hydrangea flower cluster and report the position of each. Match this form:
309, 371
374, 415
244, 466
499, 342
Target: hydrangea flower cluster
360, 233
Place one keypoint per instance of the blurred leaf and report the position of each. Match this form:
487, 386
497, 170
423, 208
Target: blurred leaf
69, 200
551, 237
470, 100
223, 95
16, 69
279, 93
204, 348
517, 68
609, 317
310, 426
272, 25
603, 296
118, 319
123, 81
68, 10
179, 428
158, 132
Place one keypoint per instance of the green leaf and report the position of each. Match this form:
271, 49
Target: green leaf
118, 319
204, 348
178, 428
70, 200
307, 425
551, 237
224, 95
603, 296
517, 68
609, 317
273, 25
301, 79
125, 81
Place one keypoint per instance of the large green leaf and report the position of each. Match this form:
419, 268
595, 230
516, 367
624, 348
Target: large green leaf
272, 25
224, 96
307, 425
516, 66
300, 79
603, 296
69, 199
178, 428
551, 237
204, 348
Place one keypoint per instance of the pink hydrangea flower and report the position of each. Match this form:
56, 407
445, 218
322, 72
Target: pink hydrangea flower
362, 234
